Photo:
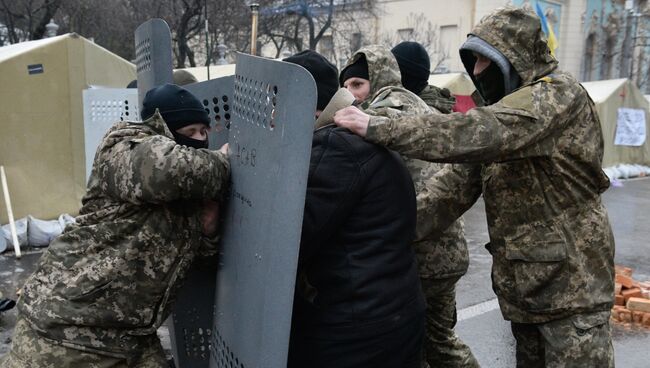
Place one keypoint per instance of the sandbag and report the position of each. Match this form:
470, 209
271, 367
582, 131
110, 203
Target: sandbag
40, 232
21, 230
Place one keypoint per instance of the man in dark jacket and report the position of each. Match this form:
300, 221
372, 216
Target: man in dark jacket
358, 301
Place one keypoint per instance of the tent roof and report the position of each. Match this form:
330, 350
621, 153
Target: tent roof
600, 91
10, 51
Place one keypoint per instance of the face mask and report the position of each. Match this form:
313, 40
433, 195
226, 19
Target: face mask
490, 83
189, 142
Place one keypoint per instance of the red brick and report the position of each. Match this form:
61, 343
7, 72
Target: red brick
626, 281
619, 300
620, 270
631, 293
625, 316
617, 288
646, 319
639, 304
637, 317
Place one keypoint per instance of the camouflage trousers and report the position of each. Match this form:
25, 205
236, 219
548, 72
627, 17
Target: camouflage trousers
582, 340
442, 348
30, 350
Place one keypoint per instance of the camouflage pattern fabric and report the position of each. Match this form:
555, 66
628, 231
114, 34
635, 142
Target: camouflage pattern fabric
580, 341
442, 348
541, 148
30, 350
440, 254
438, 98
108, 282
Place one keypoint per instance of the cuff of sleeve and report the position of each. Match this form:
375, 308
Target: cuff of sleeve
379, 130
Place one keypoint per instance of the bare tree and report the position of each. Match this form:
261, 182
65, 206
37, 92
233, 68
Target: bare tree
303, 23
26, 19
421, 30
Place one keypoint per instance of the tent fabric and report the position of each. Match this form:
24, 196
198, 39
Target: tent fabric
216, 71
42, 135
609, 96
458, 83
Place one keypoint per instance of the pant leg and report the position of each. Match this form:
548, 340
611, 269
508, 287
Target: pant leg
442, 348
530, 347
30, 350
580, 341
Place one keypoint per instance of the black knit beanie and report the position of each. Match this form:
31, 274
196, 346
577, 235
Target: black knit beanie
178, 107
359, 69
324, 73
414, 64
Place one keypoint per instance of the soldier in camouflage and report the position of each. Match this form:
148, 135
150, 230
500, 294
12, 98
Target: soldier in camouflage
540, 144
441, 255
108, 282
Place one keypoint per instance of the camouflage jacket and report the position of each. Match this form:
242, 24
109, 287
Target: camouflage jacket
438, 98
440, 254
107, 283
541, 148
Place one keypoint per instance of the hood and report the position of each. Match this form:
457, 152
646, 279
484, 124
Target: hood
383, 69
516, 33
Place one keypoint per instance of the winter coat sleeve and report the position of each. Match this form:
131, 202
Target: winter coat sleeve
521, 125
154, 169
445, 197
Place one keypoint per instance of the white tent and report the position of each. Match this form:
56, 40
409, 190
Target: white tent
610, 96
41, 109
458, 83
216, 71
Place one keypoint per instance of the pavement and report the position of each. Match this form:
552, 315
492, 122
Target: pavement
480, 323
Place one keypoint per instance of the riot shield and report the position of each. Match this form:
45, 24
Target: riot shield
270, 143
153, 56
190, 329
104, 107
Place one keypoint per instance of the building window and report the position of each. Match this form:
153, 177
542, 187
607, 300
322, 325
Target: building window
326, 46
405, 34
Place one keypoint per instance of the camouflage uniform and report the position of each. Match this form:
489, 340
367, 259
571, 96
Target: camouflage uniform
438, 98
541, 148
442, 255
107, 283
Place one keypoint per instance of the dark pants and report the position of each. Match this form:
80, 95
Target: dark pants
399, 348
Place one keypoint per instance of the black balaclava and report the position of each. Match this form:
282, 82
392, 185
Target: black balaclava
490, 84
179, 108
359, 69
490, 91
325, 74
414, 65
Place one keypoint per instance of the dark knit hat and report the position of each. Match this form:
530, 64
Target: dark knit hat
358, 69
414, 64
178, 107
324, 73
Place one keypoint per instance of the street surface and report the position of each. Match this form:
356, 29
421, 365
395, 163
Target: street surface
480, 323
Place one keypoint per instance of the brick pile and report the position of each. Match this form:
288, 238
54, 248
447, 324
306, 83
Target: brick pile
632, 299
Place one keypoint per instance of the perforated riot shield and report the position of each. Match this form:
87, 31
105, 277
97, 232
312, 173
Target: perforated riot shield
270, 143
192, 316
104, 107
216, 96
153, 56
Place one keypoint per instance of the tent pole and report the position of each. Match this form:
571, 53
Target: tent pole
10, 213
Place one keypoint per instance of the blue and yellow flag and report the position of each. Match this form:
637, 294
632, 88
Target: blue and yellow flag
548, 30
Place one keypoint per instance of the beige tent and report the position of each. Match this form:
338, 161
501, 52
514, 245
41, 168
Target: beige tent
609, 96
41, 110
458, 83
216, 71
